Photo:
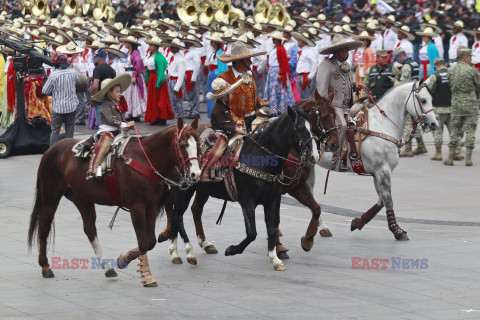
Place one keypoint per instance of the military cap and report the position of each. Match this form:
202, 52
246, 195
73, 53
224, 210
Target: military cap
464, 53
381, 51
438, 60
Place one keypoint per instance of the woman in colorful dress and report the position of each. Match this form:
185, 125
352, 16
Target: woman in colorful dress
159, 108
291, 48
135, 95
215, 66
428, 52
278, 89
364, 57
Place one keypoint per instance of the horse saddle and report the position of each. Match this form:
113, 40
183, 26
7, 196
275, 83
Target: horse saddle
82, 149
231, 153
361, 118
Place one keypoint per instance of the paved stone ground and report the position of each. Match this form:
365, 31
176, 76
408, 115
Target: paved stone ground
437, 205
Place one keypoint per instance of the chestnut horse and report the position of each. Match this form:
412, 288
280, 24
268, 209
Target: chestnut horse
321, 115
61, 174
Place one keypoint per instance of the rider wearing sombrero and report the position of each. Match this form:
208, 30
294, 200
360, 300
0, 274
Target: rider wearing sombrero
244, 101
111, 119
333, 75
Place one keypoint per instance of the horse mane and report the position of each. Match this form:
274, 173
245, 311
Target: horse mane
268, 132
395, 88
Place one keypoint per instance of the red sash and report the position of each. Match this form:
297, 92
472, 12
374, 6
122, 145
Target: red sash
304, 79
212, 67
425, 64
203, 63
180, 94
189, 86
477, 66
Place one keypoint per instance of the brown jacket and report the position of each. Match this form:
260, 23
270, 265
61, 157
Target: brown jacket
221, 119
244, 98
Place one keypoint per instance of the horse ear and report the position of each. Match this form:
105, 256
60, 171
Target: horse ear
194, 124
180, 123
331, 95
318, 97
291, 113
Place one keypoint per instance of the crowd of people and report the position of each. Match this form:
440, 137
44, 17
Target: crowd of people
172, 63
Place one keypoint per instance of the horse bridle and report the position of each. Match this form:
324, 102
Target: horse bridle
182, 168
421, 117
325, 133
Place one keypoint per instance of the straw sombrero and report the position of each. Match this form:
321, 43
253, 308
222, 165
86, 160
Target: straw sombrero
192, 39
95, 44
428, 31
304, 37
239, 51
115, 49
69, 48
58, 41
130, 39
406, 31
216, 37
155, 41
173, 43
458, 24
110, 40
221, 88
389, 19
474, 32
277, 35
67, 34
432, 24
339, 42
122, 80
364, 36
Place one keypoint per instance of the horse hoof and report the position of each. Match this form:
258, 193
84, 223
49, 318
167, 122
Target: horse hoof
325, 233
279, 267
47, 273
402, 237
307, 244
192, 261
110, 273
177, 260
282, 255
162, 238
210, 249
353, 225
150, 285
229, 251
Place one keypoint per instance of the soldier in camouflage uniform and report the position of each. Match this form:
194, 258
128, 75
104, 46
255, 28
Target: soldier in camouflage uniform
410, 71
439, 85
465, 91
379, 78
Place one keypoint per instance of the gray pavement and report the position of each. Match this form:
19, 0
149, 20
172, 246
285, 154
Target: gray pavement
437, 205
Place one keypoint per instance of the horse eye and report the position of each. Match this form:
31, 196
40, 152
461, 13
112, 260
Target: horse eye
423, 100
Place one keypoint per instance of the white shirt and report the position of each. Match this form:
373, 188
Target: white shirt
211, 58
377, 44
143, 48
205, 44
272, 57
406, 45
423, 53
390, 38
476, 52
439, 44
118, 65
307, 61
176, 68
260, 61
150, 62
457, 40
193, 62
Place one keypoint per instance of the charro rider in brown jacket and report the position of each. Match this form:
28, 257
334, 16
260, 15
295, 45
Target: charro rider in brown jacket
244, 100
222, 122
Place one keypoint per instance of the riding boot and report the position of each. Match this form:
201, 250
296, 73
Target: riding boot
438, 153
343, 161
350, 134
101, 149
420, 147
449, 160
458, 154
213, 156
407, 151
468, 160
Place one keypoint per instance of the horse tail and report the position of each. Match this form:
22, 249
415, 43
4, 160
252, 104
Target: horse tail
163, 201
35, 216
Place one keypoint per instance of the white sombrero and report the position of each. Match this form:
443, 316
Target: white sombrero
339, 42
69, 48
239, 51
122, 80
427, 32
406, 31
304, 37
364, 36
221, 88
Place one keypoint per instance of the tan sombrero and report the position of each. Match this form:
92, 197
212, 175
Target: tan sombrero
243, 38
216, 37
339, 42
67, 34
390, 19
277, 35
406, 31
115, 49
427, 32
58, 41
192, 40
95, 44
304, 37
130, 39
110, 40
173, 43
474, 32
69, 48
432, 24
155, 41
122, 80
458, 24
221, 88
239, 51
364, 36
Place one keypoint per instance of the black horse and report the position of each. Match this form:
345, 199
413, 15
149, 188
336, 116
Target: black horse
291, 130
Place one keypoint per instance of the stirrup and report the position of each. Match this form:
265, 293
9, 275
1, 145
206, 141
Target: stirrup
99, 172
354, 158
